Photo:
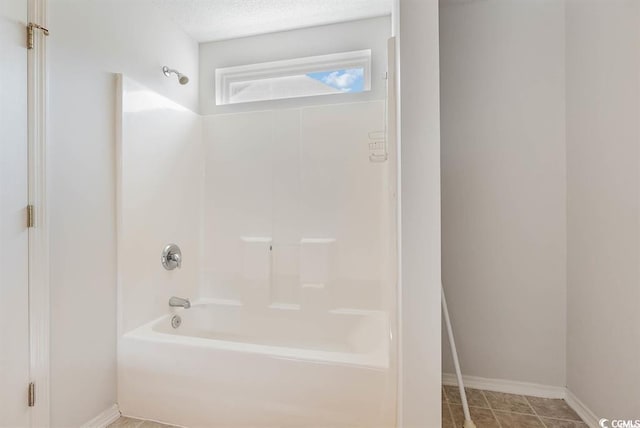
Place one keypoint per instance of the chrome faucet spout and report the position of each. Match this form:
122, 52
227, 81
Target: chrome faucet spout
179, 302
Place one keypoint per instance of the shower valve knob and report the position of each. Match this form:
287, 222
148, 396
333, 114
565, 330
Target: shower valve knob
171, 257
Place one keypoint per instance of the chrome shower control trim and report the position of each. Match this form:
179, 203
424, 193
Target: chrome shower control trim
171, 257
179, 302
176, 321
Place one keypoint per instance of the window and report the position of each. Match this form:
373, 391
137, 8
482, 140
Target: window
340, 73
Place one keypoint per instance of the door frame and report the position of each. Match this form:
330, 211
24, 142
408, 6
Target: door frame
395, 34
39, 297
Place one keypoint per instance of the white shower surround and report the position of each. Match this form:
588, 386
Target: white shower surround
301, 180
284, 227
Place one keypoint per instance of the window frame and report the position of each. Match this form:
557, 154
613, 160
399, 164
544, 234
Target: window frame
227, 76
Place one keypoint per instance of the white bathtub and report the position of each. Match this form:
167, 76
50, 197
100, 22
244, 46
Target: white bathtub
228, 366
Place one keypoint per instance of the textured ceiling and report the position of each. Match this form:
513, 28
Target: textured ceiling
208, 20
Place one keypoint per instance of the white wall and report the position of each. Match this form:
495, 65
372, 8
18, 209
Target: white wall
89, 41
541, 102
83, 56
603, 158
294, 175
159, 202
349, 36
503, 187
420, 215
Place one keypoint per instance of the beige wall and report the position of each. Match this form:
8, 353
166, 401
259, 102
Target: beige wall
420, 215
503, 187
603, 176
541, 105
89, 41
82, 173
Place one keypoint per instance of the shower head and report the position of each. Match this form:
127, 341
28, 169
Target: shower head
181, 77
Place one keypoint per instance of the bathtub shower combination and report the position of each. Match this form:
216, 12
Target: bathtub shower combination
282, 294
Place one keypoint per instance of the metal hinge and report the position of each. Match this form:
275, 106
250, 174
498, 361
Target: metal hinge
32, 394
31, 27
31, 218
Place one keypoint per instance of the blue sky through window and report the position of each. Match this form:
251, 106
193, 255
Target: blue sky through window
349, 80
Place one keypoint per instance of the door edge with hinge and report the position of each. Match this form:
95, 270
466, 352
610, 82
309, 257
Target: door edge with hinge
32, 395
37, 219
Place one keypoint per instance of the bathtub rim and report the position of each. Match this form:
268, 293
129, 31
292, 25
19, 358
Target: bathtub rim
378, 359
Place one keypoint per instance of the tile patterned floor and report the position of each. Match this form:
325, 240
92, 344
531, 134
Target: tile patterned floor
125, 422
488, 410
498, 410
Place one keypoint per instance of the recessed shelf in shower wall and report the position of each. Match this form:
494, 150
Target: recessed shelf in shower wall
317, 272
256, 271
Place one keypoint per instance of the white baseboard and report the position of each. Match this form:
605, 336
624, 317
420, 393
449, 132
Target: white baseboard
112, 414
525, 388
104, 419
508, 386
583, 411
